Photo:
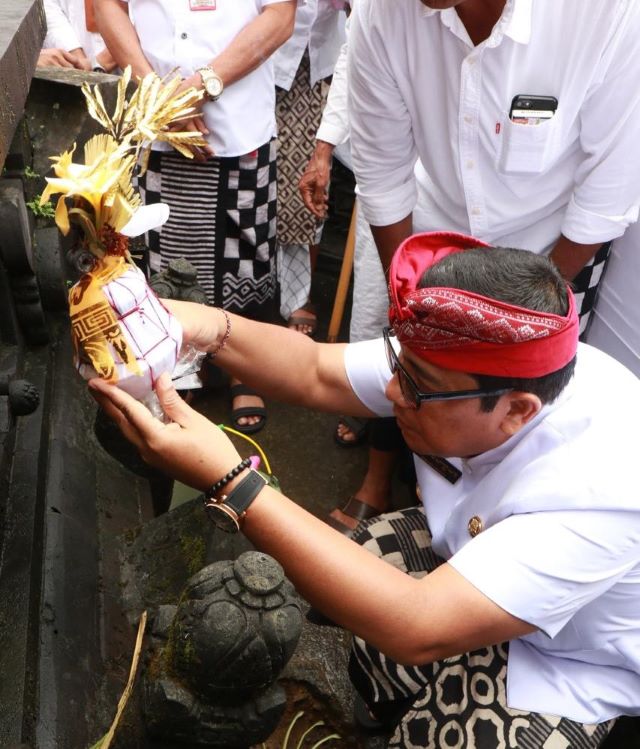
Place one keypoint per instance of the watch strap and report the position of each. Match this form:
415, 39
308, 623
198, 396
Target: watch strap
242, 495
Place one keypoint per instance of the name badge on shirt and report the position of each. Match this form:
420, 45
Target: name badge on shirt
202, 4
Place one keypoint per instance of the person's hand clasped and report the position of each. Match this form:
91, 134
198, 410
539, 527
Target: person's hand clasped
190, 448
194, 124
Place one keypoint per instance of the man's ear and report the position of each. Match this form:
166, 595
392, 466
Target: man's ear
522, 407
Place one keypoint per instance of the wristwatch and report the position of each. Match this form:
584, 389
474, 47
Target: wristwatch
227, 512
213, 85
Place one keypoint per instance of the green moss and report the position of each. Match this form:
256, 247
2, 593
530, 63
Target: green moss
193, 551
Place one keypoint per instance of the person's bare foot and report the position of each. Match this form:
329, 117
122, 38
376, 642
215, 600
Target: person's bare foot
304, 320
246, 401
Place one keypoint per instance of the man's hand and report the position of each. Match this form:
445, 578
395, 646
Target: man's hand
190, 448
195, 124
60, 58
106, 61
314, 183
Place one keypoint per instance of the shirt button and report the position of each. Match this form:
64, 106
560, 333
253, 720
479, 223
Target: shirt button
470, 164
474, 526
476, 211
471, 60
184, 35
468, 119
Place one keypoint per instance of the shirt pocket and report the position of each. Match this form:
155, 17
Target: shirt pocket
528, 149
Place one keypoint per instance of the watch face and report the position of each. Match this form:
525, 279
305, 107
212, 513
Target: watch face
213, 86
223, 518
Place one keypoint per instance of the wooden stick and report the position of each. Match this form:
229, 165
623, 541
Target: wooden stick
343, 281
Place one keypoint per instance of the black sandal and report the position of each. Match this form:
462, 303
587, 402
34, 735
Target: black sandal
237, 413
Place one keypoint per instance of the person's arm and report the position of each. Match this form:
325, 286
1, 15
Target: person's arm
293, 368
60, 32
383, 147
412, 621
104, 60
388, 239
606, 197
571, 257
117, 30
333, 131
255, 43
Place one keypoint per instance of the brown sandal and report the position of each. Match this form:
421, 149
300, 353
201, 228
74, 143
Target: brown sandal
353, 508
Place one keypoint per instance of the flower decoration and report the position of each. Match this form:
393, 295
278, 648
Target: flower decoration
120, 330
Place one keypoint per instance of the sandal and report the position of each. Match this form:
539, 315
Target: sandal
237, 413
311, 322
353, 508
356, 425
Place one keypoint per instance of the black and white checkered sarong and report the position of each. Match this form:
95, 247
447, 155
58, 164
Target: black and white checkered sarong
222, 219
585, 286
459, 702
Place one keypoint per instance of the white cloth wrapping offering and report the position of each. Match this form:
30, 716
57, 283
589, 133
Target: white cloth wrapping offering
153, 333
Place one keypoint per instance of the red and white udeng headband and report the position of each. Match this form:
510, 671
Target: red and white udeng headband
467, 332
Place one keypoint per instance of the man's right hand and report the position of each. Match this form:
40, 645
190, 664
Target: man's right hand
314, 183
60, 58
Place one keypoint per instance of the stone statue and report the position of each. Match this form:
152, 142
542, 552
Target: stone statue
215, 657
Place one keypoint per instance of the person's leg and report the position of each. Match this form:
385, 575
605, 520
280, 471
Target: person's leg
385, 443
460, 701
298, 114
245, 278
294, 279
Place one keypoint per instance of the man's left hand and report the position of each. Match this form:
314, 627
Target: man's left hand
195, 124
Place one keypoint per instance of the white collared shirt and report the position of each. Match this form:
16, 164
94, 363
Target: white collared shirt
559, 505
67, 28
173, 36
418, 87
320, 27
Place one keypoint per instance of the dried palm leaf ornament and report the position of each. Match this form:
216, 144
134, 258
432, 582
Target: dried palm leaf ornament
120, 330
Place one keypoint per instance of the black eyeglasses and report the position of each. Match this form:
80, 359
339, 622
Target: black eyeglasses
409, 388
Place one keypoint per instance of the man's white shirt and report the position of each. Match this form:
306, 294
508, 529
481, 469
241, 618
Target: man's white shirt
320, 29
418, 87
560, 548
67, 28
173, 36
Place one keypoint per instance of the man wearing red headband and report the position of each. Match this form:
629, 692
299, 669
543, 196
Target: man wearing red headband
505, 613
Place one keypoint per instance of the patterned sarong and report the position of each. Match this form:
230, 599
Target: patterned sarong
222, 219
460, 702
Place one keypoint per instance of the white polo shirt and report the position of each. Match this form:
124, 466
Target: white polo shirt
174, 36
560, 546
418, 87
67, 28
320, 27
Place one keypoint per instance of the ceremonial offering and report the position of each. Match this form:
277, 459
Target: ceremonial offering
121, 331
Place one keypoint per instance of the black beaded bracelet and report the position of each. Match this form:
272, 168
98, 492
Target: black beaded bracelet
211, 493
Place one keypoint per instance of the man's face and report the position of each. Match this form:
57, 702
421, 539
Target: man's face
457, 428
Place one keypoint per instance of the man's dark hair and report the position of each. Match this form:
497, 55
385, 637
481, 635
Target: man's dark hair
516, 277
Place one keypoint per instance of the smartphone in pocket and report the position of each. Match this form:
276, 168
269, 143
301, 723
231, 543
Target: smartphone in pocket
531, 109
